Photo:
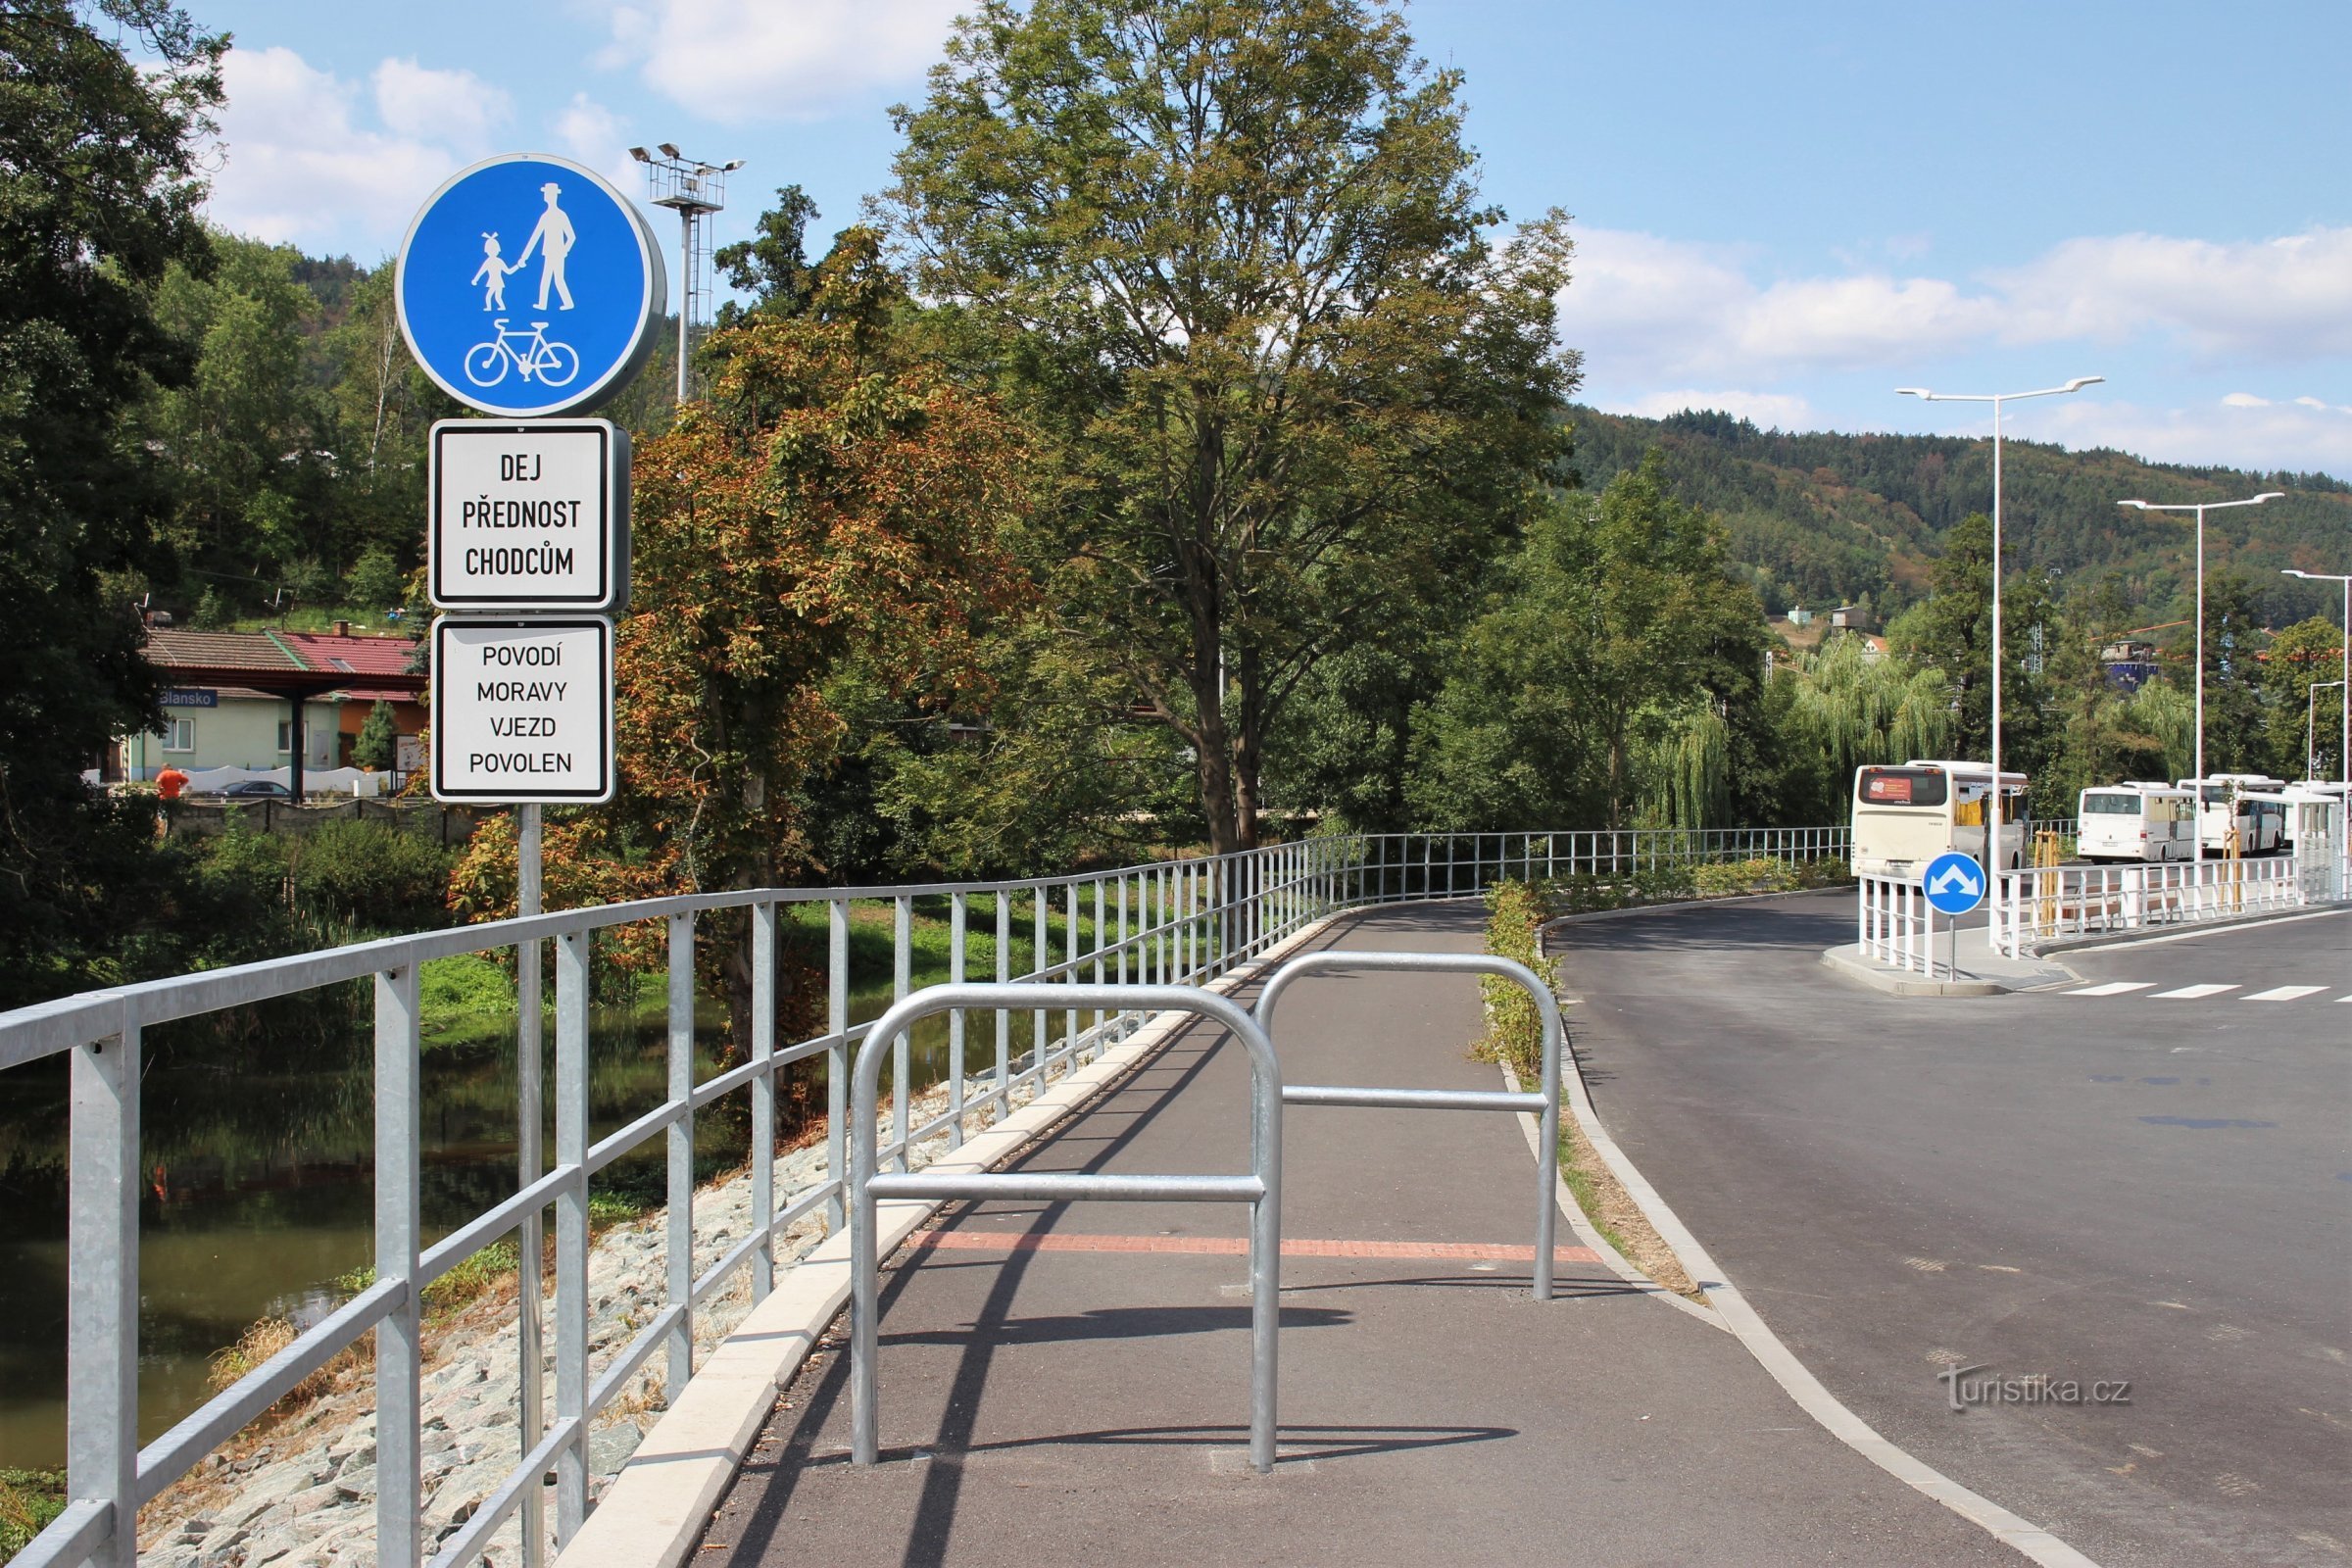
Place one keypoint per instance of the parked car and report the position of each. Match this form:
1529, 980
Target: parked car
257, 789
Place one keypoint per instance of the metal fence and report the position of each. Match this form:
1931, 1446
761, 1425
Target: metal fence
2052, 904
1177, 922
1894, 925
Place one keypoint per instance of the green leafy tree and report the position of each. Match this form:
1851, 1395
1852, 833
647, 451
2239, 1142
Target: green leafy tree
1952, 633
1843, 706
1227, 258
2300, 658
98, 194
377, 746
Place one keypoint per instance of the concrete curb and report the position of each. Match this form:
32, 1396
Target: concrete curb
1679, 906
1798, 1383
2183, 932
659, 1505
1903, 983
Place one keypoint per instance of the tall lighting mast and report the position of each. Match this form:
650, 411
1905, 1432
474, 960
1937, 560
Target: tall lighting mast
694, 190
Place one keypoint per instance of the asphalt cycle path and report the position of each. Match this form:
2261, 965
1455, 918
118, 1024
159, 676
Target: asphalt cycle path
1069, 1383
2144, 1177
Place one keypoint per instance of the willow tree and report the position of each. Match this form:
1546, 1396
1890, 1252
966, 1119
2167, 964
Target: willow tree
1846, 706
1229, 258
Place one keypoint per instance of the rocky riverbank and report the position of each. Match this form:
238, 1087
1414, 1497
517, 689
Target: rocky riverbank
300, 1491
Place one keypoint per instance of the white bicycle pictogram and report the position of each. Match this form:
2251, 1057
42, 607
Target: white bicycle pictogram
549, 364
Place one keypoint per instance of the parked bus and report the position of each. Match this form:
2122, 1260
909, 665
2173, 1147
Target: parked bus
2260, 823
1905, 817
2137, 821
2312, 800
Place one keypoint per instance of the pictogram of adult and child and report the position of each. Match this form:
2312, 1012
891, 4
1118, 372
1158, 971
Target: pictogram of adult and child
533, 354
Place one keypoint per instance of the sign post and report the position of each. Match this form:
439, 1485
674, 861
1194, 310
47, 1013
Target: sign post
1954, 884
529, 289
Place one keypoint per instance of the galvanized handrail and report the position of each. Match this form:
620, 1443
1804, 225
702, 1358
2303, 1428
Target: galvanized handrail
1261, 1188
1176, 922
1545, 1104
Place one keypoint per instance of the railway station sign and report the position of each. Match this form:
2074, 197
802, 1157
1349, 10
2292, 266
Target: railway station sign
522, 710
529, 514
528, 287
1953, 883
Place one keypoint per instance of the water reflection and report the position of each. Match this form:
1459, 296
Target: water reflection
259, 1191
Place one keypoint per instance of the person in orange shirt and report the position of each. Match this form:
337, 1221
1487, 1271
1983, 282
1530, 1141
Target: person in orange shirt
169, 783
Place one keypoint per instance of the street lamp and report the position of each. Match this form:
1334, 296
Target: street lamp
1993, 814
2200, 507
694, 190
2345, 735
2311, 729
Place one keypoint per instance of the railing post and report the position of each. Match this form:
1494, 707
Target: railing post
398, 1338
1043, 952
678, 1222
1003, 1018
530, 1112
959, 919
1096, 946
902, 966
1069, 949
102, 1276
837, 1061
572, 952
764, 1098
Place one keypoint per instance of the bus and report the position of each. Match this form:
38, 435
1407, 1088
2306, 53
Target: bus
2260, 823
2137, 821
1906, 816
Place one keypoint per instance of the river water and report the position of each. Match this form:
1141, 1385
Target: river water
260, 1183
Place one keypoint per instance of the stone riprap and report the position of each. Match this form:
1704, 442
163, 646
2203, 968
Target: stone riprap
301, 1494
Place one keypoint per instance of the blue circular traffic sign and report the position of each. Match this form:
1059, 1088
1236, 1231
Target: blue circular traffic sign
1954, 884
528, 286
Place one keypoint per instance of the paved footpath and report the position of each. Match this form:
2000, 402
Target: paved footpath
1069, 1383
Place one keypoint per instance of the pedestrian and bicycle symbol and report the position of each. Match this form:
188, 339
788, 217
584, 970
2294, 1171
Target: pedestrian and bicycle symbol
1954, 884
528, 286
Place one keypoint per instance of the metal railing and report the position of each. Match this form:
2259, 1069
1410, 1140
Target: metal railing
1545, 1102
2053, 904
1894, 925
1260, 1189
1177, 922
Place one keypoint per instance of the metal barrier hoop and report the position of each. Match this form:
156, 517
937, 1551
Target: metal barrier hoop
1545, 1102
1261, 1190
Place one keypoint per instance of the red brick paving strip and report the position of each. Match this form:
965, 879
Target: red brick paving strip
1236, 1247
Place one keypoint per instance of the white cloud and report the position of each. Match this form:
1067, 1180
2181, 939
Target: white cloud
1784, 410
593, 135
296, 168
2303, 434
1646, 310
455, 108
739, 61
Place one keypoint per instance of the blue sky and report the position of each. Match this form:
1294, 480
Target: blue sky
1783, 211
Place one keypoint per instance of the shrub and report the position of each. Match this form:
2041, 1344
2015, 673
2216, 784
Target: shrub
1823, 873
371, 874
1514, 930
1760, 875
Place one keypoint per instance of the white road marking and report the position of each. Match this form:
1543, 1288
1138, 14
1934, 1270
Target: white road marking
2190, 993
2283, 993
2113, 988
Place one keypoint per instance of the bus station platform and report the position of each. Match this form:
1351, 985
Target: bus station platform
1069, 1383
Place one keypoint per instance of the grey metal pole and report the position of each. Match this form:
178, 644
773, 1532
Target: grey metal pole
763, 1099
837, 1060
102, 1277
685, 293
531, 1163
399, 1337
678, 1222
572, 952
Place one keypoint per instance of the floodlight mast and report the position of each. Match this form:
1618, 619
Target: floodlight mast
1993, 798
694, 190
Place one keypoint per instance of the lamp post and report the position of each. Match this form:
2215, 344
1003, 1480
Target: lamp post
2343, 736
694, 190
1993, 798
2200, 507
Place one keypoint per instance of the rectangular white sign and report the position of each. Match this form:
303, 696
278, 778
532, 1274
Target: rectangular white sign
522, 710
529, 515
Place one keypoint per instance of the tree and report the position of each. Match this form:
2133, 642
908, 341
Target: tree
835, 504
2301, 657
99, 178
1845, 706
1619, 655
1952, 633
377, 747
1227, 258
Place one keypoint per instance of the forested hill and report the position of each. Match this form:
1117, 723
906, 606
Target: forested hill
1823, 519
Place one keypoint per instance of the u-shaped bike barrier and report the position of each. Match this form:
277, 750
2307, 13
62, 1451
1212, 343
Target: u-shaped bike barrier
1261, 1188
1545, 1104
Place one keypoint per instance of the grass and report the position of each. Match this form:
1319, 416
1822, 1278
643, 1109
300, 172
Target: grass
29, 1500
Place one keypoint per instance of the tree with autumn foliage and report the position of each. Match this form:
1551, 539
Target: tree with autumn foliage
836, 500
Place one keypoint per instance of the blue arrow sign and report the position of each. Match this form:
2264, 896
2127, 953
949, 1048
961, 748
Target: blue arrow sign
1954, 884
528, 286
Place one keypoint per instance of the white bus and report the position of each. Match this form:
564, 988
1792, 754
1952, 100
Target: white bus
2137, 821
2260, 823
1906, 816
2311, 800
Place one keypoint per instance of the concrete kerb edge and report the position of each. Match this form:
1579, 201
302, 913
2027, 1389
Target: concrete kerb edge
1680, 906
660, 1501
1903, 983
1791, 1373
2183, 931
